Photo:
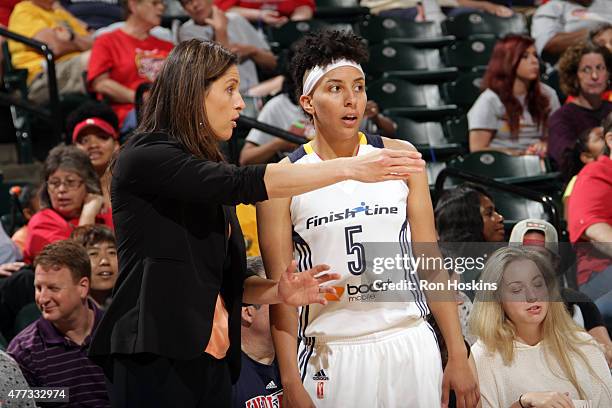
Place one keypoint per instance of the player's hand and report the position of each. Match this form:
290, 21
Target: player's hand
459, 378
295, 396
303, 288
385, 164
547, 400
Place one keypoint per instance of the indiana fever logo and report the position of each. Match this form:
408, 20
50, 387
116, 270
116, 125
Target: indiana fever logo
348, 213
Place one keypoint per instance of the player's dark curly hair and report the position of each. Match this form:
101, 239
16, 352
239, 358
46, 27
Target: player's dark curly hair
323, 47
88, 110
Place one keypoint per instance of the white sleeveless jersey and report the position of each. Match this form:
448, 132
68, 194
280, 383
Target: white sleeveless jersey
330, 225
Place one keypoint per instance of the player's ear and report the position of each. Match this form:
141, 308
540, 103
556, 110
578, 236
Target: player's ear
306, 103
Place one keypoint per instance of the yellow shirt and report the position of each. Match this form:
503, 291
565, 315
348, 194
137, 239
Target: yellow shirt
28, 20
247, 217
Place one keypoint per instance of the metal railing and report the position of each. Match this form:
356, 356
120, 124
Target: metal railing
52, 113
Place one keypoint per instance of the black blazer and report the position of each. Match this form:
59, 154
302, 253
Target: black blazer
171, 213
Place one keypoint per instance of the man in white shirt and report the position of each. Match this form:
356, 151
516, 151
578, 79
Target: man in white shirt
233, 32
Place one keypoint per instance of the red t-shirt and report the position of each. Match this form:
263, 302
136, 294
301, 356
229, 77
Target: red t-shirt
284, 7
590, 204
6, 7
128, 61
606, 96
47, 226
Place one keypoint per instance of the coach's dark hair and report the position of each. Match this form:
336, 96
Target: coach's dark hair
457, 214
176, 103
67, 253
69, 158
322, 48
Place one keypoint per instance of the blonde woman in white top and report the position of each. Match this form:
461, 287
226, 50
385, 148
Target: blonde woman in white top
530, 353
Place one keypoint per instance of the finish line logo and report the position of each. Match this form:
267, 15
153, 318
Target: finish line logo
347, 213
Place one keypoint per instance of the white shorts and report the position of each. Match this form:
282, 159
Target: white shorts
393, 369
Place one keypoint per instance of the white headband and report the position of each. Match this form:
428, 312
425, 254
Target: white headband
317, 73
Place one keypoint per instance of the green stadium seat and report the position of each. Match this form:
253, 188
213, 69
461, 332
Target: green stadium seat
477, 22
282, 37
429, 138
472, 52
515, 208
463, 91
424, 34
417, 65
340, 10
397, 97
505, 168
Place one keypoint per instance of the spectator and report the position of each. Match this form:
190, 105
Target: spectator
70, 196
429, 9
602, 36
259, 383
466, 216
95, 13
45, 21
30, 204
99, 242
542, 236
284, 112
512, 112
590, 227
126, 57
232, 31
9, 252
584, 71
11, 379
274, 12
588, 147
52, 351
525, 333
95, 130
559, 24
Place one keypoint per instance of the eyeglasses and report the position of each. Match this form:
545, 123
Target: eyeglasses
70, 184
600, 69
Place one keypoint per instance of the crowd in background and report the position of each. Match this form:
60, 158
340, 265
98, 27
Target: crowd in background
64, 259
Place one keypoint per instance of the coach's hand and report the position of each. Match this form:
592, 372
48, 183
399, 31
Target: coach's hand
295, 396
386, 164
459, 378
303, 288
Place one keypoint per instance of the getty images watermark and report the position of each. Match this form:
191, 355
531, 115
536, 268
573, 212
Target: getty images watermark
402, 272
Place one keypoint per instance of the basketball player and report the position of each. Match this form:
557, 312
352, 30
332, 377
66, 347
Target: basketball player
358, 350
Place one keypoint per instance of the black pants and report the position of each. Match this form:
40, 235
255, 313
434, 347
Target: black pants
148, 380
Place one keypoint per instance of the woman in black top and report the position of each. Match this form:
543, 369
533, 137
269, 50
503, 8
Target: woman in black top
179, 243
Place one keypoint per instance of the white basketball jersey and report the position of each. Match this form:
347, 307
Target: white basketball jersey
331, 226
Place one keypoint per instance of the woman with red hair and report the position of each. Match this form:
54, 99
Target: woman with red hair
511, 114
